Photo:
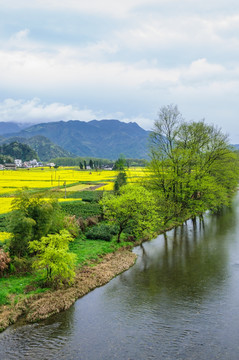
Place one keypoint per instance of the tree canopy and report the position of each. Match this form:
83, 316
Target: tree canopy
192, 165
52, 254
134, 209
32, 217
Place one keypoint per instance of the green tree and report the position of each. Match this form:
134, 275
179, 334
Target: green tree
120, 164
190, 162
6, 159
134, 209
32, 217
121, 180
52, 255
91, 165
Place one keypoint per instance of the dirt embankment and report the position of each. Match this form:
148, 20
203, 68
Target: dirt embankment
41, 306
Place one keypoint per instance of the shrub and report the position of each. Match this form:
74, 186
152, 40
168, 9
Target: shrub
32, 217
101, 232
87, 195
4, 239
71, 224
81, 209
4, 261
21, 266
3, 222
81, 223
92, 220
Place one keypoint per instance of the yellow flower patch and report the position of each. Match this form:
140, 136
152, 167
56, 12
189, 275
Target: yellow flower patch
4, 236
5, 205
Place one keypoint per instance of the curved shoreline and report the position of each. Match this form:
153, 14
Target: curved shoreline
42, 306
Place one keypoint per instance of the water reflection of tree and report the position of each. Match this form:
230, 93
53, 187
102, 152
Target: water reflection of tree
192, 263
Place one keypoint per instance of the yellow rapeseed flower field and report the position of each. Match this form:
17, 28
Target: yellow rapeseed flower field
42, 178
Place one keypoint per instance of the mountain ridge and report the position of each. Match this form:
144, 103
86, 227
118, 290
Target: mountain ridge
96, 138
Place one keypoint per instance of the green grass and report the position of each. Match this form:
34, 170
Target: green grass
88, 250
15, 285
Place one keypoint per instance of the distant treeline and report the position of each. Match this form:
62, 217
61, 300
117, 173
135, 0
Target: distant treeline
82, 162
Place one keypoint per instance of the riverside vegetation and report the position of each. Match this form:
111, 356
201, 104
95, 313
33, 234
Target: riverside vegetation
191, 169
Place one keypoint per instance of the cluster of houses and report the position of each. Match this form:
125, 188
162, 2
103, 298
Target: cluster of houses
18, 163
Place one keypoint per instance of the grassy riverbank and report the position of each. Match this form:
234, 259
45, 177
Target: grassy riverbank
97, 263
100, 259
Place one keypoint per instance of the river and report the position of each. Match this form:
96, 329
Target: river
180, 301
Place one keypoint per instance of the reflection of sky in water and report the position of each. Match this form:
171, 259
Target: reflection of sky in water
179, 301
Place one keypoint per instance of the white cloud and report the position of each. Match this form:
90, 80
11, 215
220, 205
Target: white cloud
181, 32
35, 111
118, 8
105, 7
149, 54
59, 72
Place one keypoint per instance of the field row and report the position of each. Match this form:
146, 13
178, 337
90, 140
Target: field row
12, 181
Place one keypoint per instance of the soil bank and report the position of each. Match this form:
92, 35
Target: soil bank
41, 306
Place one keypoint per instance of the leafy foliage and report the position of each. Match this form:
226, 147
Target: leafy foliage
32, 218
134, 208
193, 168
120, 164
3, 222
54, 257
120, 181
87, 196
71, 224
81, 209
101, 232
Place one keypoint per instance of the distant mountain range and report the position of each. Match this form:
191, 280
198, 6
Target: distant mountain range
11, 127
97, 138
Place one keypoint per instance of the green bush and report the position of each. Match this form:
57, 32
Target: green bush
32, 217
81, 209
21, 266
101, 232
88, 196
3, 222
71, 224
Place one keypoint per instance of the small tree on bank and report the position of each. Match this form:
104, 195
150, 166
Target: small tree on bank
133, 209
52, 255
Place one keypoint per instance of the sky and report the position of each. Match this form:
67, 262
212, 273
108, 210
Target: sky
108, 59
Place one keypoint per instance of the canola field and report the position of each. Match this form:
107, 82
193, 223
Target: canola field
66, 179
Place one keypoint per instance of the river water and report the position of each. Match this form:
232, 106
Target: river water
180, 301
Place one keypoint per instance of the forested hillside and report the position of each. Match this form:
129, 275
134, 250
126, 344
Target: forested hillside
18, 150
44, 148
104, 138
